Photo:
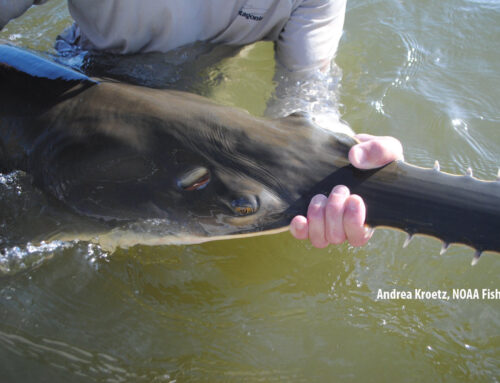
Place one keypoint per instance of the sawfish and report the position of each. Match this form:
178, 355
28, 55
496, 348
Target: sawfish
124, 155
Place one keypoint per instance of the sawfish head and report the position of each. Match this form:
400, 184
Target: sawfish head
203, 170
123, 153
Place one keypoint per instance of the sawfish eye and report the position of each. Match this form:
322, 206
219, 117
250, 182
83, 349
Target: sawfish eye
195, 179
245, 205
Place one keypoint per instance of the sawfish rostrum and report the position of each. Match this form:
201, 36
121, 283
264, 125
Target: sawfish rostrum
123, 153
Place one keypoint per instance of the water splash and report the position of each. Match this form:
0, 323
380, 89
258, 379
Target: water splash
17, 258
314, 92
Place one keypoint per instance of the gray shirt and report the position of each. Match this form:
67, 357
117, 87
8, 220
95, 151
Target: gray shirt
306, 32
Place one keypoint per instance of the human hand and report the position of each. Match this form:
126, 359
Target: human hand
341, 216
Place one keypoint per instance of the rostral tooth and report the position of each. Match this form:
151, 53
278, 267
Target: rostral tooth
444, 247
436, 166
475, 260
408, 239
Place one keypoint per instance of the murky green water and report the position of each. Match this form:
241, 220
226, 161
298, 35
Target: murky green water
272, 308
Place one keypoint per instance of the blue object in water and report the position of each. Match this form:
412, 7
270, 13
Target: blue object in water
36, 66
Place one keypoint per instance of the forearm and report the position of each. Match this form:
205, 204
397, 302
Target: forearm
306, 78
315, 92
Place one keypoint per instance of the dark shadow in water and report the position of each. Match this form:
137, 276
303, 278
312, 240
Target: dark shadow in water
184, 68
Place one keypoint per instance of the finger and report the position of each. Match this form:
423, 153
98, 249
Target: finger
299, 227
354, 219
316, 221
375, 152
334, 215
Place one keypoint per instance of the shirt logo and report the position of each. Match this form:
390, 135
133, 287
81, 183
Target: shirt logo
249, 16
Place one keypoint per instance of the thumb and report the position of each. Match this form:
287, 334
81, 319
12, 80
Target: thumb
376, 152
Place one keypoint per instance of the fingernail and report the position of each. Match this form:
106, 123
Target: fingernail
352, 205
317, 200
358, 154
341, 190
300, 225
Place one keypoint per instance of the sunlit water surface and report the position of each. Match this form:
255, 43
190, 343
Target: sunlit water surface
272, 308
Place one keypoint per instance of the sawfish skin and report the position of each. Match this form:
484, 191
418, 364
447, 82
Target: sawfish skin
120, 153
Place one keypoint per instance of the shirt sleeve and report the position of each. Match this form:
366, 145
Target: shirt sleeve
10, 9
311, 36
